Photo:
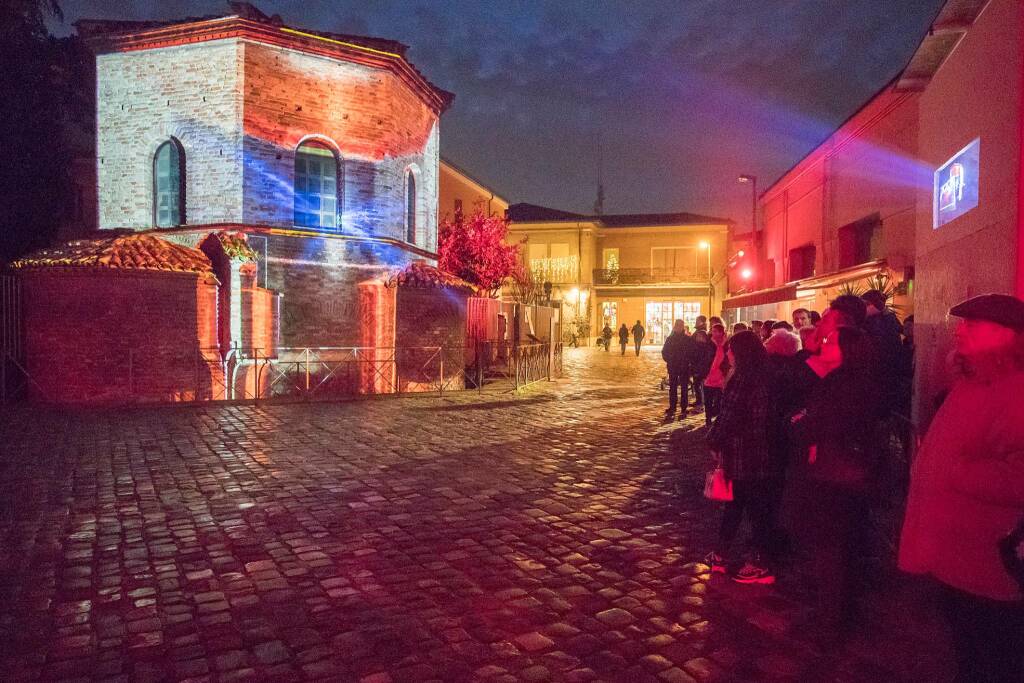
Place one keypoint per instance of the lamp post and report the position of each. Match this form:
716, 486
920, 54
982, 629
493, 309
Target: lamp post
752, 179
704, 244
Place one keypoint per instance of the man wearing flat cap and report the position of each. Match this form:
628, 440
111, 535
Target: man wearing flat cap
967, 491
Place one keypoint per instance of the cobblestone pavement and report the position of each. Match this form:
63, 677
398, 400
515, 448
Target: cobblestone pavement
551, 535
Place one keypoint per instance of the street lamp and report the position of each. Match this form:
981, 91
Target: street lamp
752, 179
704, 244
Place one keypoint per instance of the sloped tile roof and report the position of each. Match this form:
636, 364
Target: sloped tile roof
126, 252
424, 276
527, 213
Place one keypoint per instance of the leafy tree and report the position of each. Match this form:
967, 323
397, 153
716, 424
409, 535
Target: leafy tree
46, 104
475, 248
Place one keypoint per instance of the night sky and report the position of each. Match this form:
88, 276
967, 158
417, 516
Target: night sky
677, 97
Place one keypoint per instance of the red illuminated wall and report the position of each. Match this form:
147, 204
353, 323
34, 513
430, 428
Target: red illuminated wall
101, 336
975, 94
868, 166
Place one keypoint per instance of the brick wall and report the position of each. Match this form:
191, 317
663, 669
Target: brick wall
318, 278
102, 336
240, 109
430, 318
373, 121
190, 92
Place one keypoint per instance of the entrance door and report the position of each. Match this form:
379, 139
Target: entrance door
661, 315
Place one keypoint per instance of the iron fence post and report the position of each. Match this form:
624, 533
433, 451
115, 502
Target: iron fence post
440, 352
307, 370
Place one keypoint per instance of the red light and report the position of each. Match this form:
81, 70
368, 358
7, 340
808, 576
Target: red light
746, 273
739, 253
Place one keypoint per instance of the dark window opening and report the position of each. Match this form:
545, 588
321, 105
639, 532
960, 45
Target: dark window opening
860, 241
410, 209
169, 185
801, 262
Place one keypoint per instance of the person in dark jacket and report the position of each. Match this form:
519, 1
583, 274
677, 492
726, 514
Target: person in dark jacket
638, 336
739, 440
884, 328
838, 435
623, 337
606, 336
678, 353
703, 355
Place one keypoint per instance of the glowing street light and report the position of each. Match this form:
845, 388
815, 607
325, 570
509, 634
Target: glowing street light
746, 273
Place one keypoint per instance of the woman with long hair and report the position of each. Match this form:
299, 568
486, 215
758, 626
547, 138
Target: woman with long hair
739, 441
837, 436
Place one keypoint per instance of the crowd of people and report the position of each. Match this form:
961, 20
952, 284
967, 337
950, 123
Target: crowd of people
797, 415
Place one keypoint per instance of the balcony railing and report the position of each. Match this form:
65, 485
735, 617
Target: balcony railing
649, 276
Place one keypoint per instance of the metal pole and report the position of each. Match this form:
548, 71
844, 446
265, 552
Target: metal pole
440, 389
711, 284
307, 370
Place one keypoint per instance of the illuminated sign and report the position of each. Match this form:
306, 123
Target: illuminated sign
956, 185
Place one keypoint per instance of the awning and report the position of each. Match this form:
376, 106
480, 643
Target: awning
805, 287
761, 297
859, 272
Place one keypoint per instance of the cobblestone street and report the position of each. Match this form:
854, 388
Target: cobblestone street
554, 534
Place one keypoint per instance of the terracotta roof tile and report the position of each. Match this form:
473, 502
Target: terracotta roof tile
424, 276
127, 252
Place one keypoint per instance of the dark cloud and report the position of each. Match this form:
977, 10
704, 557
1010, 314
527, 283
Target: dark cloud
676, 96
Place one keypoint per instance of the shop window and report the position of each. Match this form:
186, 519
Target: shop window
610, 314
859, 242
316, 187
801, 262
169, 185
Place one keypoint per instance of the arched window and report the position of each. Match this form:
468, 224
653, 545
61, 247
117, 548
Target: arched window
410, 208
169, 185
316, 186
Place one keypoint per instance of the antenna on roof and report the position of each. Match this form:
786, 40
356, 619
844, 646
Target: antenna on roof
599, 204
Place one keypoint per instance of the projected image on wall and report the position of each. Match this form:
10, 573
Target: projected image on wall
956, 185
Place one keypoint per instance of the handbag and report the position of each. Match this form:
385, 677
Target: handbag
717, 487
1011, 551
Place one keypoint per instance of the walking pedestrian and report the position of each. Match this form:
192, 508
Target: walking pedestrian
678, 353
623, 337
739, 442
967, 491
638, 336
606, 336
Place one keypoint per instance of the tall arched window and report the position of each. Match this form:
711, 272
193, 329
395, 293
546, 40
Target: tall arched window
316, 186
410, 208
169, 185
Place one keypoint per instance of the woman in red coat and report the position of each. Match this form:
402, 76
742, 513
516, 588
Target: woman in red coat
967, 491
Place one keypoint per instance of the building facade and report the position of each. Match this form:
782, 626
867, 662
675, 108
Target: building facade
615, 269
459, 192
922, 185
321, 148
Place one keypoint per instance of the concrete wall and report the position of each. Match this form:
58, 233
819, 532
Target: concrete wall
454, 186
975, 94
190, 92
868, 166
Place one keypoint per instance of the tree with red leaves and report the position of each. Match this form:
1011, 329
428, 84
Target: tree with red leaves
474, 248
